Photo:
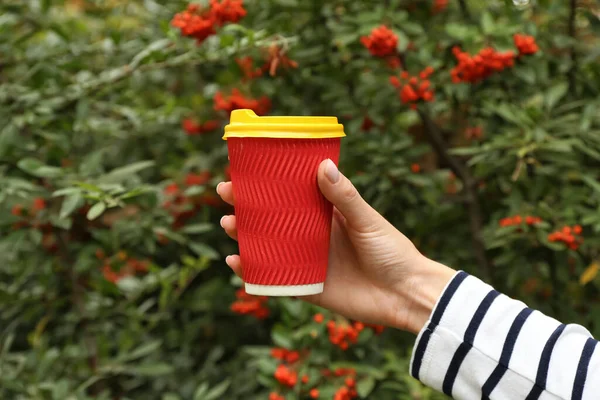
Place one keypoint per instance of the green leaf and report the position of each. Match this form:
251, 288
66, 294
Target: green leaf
36, 168
281, 337
508, 114
201, 391
89, 187
364, 387
153, 369
555, 94
465, 151
151, 48
142, 351
594, 184
96, 210
204, 250
458, 31
487, 23
120, 174
46, 5
218, 390
198, 228
129, 285
66, 191
293, 306
69, 204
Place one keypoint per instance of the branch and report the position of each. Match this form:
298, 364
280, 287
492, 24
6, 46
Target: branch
74, 92
572, 33
435, 139
464, 9
78, 300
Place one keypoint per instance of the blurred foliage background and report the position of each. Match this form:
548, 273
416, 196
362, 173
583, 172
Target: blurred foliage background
112, 280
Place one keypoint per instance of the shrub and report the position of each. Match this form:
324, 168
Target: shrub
474, 130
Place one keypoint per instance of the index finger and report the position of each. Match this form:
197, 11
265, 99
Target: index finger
225, 190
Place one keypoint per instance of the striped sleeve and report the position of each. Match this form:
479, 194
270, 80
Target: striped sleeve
481, 344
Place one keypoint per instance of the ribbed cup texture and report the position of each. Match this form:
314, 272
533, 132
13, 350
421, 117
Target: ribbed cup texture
284, 222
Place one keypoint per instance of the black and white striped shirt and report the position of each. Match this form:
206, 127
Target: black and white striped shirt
481, 344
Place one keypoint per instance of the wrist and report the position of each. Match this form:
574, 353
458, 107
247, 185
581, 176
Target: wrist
420, 292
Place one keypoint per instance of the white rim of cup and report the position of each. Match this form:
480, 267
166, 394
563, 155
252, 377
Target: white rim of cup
282, 290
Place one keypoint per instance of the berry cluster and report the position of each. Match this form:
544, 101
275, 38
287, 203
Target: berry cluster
251, 305
394, 62
289, 356
518, 220
344, 372
246, 64
474, 132
30, 217
202, 23
343, 334
236, 100
476, 68
382, 42
452, 184
192, 179
378, 329
525, 44
413, 89
183, 207
569, 235
367, 124
192, 128
286, 376
37, 205
439, 6
120, 266
346, 392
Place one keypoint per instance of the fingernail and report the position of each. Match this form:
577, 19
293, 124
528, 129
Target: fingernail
217, 189
331, 172
227, 260
221, 221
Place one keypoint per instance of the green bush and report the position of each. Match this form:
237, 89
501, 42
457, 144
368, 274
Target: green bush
481, 146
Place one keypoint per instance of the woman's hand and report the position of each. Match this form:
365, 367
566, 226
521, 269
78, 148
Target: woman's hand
375, 273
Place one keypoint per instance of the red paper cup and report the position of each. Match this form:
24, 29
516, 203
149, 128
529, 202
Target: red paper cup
283, 220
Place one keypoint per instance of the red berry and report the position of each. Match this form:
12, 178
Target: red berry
39, 204
17, 210
100, 255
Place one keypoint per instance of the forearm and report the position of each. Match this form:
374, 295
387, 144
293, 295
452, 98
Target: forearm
478, 343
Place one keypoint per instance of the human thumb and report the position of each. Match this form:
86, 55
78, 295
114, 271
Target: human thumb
341, 192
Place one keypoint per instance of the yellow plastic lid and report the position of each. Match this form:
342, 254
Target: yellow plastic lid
245, 123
